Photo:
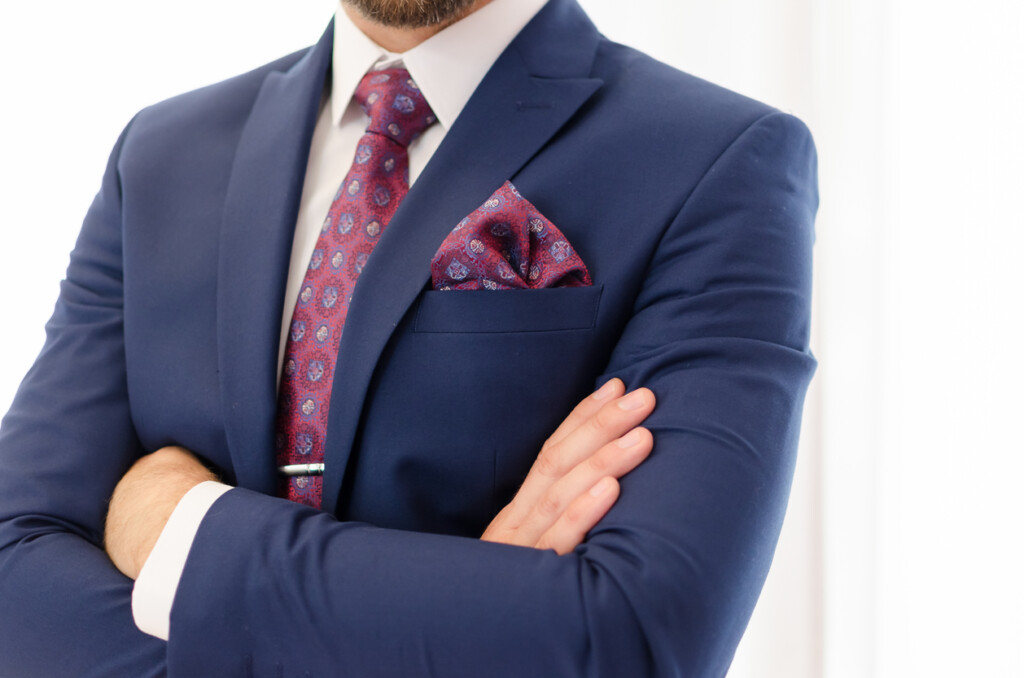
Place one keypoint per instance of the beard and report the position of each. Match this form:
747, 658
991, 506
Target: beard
411, 13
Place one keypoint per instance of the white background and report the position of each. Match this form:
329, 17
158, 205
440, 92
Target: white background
901, 555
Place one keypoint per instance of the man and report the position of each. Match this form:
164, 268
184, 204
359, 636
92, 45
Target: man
690, 209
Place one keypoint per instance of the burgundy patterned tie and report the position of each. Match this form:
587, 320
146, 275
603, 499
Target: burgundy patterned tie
361, 210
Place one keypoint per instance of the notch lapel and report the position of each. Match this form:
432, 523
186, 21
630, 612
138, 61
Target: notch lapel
258, 225
533, 89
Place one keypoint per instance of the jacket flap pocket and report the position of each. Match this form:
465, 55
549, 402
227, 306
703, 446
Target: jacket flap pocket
543, 310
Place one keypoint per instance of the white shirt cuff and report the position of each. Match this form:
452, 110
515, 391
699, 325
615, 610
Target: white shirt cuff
157, 583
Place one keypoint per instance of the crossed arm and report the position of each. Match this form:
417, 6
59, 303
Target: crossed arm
570, 487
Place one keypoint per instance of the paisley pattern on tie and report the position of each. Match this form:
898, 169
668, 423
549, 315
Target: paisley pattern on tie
504, 244
361, 210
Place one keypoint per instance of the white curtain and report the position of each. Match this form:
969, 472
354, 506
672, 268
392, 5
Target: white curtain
74, 73
901, 555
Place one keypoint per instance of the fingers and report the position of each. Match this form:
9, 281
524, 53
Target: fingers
573, 482
613, 388
615, 460
580, 517
612, 420
556, 509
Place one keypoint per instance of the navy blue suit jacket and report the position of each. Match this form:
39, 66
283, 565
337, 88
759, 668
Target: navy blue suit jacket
693, 209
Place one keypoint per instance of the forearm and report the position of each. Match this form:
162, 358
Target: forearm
664, 584
571, 486
314, 593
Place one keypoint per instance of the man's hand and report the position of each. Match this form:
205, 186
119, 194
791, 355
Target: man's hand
573, 483
143, 501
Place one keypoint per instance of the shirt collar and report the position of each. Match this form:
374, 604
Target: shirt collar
447, 67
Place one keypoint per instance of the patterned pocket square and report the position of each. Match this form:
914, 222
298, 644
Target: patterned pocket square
505, 244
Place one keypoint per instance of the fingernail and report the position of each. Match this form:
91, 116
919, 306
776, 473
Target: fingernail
605, 391
602, 486
633, 401
631, 439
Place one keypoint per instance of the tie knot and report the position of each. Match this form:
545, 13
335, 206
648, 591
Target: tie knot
395, 105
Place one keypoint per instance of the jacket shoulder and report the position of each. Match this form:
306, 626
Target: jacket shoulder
219, 108
671, 103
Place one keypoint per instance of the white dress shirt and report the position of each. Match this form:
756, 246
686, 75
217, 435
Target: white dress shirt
447, 68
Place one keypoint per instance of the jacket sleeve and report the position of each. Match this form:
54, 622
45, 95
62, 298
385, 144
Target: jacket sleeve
64, 444
663, 586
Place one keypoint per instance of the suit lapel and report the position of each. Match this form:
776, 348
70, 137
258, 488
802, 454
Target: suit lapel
260, 209
533, 89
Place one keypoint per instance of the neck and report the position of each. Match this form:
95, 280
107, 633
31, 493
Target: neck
399, 39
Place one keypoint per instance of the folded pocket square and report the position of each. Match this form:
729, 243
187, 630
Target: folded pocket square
506, 243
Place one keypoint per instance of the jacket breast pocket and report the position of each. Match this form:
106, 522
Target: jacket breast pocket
480, 312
